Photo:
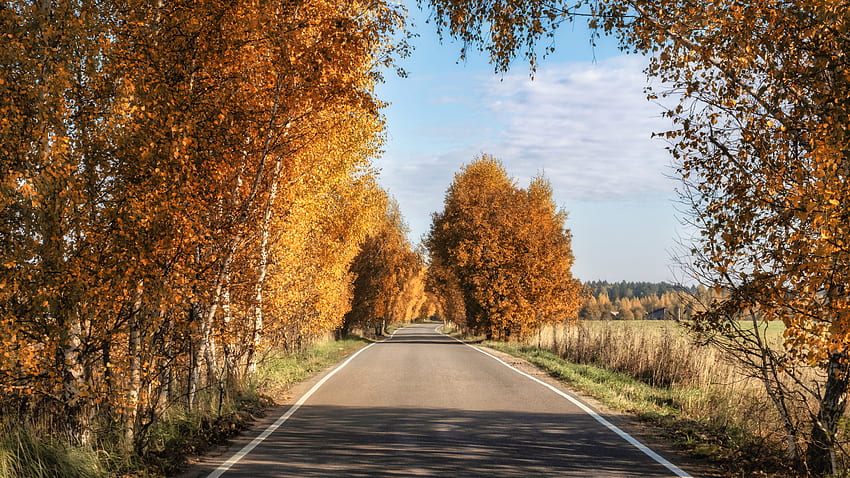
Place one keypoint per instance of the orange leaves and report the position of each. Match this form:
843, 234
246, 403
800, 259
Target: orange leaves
765, 90
186, 147
387, 275
504, 250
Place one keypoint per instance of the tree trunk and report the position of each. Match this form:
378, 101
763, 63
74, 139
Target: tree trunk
207, 343
821, 451
555, 348
73, 383
134, 351
108, 376
194, 358
231, 370
166, 365
262, 270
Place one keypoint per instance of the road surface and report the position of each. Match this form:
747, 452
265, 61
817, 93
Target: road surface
423, 404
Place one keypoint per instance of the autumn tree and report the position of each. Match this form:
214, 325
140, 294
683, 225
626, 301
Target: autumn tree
387, 275
445, 287
54, 189
761, 148
760, 143
309, 289
762, 151
503, 250
158, 159
553, 293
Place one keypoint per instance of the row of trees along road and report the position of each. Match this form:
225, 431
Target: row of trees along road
181, 179
501, 255
389, 284
182, 183
760, 138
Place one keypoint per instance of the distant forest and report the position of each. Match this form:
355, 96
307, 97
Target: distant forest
640, 300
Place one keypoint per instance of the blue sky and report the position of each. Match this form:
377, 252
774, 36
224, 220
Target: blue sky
583, 120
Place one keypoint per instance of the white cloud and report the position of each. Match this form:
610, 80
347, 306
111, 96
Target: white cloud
587, 125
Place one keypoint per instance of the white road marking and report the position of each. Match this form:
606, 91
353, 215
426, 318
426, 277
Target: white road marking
625, 436
283, 418
218, 472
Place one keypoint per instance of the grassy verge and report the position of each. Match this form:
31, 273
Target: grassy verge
281, 370
192, 434
719, 439
26, 452
616, 390
33, 450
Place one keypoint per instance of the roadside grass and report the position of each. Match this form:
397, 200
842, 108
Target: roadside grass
653, 370
191, 433
281, 369
706, 423
26, 452
30, 449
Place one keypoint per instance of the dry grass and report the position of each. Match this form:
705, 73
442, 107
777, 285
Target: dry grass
32, 448
709, 405
657, 353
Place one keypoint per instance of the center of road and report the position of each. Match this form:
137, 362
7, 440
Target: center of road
423, 403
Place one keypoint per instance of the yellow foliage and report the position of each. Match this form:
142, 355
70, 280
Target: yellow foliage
179, 179
504, 252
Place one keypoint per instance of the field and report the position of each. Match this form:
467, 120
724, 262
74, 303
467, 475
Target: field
775, 329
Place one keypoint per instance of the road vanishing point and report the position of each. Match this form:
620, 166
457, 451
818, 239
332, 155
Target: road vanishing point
425, 404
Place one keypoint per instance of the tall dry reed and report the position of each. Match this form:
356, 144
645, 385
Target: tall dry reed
658, 354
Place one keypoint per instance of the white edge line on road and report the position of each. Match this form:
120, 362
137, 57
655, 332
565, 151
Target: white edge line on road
625, 436
283, 418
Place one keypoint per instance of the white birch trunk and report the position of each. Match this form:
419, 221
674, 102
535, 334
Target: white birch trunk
135, 384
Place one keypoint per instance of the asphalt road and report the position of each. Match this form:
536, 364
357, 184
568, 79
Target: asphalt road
424, 404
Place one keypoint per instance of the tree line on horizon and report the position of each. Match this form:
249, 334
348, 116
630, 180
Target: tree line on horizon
627, 300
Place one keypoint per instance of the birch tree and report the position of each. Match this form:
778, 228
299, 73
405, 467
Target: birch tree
759, 138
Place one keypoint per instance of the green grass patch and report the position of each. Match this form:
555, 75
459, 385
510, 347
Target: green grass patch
281, 369
27, 453
616, 390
